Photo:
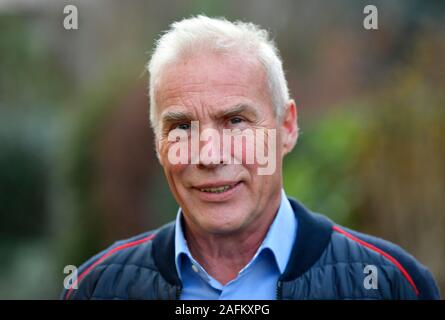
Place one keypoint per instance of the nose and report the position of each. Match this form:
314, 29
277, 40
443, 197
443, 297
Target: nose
210, 149
203, 165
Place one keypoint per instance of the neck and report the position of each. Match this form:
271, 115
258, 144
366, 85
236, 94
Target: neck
224, 255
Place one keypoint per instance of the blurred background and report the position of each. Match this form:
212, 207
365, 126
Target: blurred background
77, 167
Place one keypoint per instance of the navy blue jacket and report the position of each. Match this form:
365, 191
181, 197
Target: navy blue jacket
327, 262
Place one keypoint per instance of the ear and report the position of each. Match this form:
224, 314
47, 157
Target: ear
157, 143
289, 127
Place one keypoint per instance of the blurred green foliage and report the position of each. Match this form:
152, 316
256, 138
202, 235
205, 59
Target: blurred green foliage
32, 85
77, 166
321, 170
29, 74
22, 189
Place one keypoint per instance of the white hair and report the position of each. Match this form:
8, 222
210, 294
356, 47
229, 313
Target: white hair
190, 35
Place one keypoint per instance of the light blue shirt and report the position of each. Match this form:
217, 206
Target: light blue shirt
257, 280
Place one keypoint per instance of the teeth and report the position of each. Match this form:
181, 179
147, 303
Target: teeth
216, 190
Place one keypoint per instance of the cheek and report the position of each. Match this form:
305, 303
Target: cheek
242, 150
173, 171
258, 150
174, 156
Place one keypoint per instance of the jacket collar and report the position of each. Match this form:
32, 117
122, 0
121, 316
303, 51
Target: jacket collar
314, 232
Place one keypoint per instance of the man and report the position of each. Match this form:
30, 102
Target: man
237, 235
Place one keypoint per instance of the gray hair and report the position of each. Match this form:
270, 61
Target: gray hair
218, 34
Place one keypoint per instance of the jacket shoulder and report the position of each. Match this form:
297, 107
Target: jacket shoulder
123, 259
404, 275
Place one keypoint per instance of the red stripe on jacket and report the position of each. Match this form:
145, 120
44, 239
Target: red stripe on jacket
105, 256
381, 252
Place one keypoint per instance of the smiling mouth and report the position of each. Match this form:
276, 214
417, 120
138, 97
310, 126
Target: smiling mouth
219, 189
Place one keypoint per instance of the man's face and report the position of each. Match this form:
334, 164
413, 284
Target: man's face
221, 92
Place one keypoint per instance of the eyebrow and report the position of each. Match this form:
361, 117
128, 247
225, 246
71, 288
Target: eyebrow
175, 116
238, 109
181, 116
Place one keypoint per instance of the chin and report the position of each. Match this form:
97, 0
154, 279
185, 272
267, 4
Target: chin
226, 229
224, 221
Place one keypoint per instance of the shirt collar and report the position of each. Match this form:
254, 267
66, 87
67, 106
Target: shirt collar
282, 233
279, 239
181, 247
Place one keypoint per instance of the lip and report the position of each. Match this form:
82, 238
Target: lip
216, 184
218, 197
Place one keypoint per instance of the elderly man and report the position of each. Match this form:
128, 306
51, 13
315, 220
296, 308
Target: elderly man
237, 235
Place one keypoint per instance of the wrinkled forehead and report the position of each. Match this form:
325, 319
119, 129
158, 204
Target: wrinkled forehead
210, 77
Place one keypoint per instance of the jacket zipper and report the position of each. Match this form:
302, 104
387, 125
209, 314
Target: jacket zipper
279, 293
178, 292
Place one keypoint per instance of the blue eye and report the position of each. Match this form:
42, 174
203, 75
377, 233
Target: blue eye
236, 120
183, 126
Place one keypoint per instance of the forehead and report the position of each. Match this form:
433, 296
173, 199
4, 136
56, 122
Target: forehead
212, 79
